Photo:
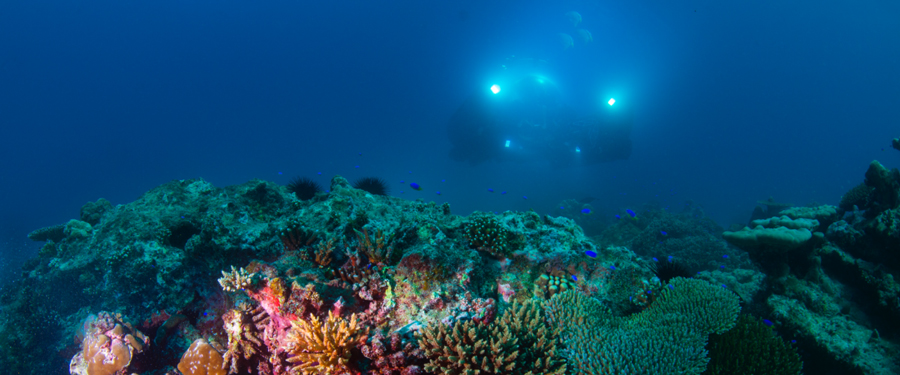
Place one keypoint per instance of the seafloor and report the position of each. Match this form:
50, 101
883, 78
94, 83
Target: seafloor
249, 279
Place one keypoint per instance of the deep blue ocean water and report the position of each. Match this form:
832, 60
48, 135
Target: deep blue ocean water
733, 103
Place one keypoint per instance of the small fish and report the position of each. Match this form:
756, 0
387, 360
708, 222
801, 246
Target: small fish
663, 233
725, 256
503, 192
767, 322
793, 341
490, 190
437, 192
655, 260
630, 212
574, 278
280, 173
524, 197
672, 287
357, 166
590, 253
415, 186
722, 266
670, 258
402, 182
649, 292
562, 208
725, 286
443, 180
618, 217
612, 268
585, 211
320, 173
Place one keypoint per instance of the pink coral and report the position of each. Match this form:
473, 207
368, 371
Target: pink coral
506, 291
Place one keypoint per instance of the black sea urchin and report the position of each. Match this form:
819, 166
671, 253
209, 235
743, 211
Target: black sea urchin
303, 188
373, 185
669, 270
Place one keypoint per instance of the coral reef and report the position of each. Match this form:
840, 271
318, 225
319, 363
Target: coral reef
202, 359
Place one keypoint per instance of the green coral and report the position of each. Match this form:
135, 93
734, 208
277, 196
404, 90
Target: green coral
751, 348
669, 337
485, 233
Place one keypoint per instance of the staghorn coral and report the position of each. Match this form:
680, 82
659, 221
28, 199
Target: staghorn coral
318, 347
201, 359
394, 357
245, 328
517, 343
669, 337
486, 234
108, 346
236, 279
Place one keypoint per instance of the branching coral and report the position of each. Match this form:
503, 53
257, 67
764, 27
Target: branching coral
547, 286
378, 252
245, 328
395, 357
486, 234
517, 343
236, 279
324, 347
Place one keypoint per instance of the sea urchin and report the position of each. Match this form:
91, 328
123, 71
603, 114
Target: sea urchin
304, 188
669, 270
373, 185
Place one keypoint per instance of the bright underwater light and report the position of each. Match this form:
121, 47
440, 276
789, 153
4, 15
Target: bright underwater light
611, 101
577, 149
507, 143
495, 89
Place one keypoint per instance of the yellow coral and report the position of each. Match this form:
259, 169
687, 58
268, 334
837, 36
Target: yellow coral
323, 347
236, 279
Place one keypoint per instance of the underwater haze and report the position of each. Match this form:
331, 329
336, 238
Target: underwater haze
728, 104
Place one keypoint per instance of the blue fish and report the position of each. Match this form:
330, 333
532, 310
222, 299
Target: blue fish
415, 186
437, 192
722, 266
671, 286
612, 268
725, 256
401, 181
574, 278
655, 260
670, 258
590, 253
562, 208
630, 212
649, 292
725, 286
503, 192
490, 190
586, 211
767, 322
524, 197
618, 217
663, 233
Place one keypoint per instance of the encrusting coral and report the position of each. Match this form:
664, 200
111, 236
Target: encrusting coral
517, 343
324, 347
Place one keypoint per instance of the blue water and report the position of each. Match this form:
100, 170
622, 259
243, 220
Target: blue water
734, 103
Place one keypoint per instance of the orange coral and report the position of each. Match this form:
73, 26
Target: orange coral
108, 345
319, 347
201, 359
